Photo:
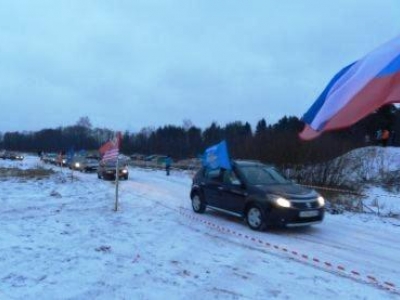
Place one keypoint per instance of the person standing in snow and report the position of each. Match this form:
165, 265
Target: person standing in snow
168, 162
385, 137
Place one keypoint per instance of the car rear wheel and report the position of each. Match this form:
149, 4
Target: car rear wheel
255, 218
198, 204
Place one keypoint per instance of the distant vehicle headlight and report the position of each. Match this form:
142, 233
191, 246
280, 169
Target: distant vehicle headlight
283, 202
77, 165
64, 161
124, 171
321, 201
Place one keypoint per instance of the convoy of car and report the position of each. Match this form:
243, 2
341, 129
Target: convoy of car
257, 193
250, 190
90, 163
11, 155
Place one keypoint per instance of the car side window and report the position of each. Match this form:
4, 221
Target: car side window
214, 175
230, 178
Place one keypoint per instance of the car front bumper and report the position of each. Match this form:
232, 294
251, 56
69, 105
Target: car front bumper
112, 173
290, 217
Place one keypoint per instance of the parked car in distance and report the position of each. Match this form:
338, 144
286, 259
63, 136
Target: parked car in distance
137, 156
257, 193
156, 158
107, 170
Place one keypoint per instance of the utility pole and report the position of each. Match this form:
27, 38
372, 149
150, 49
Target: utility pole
116, 184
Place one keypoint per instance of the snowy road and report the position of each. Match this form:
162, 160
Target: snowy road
61, 239
367, 245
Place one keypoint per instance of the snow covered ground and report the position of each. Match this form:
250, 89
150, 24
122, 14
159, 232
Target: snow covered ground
61, 239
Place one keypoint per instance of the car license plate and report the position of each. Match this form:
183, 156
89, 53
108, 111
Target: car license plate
309, 213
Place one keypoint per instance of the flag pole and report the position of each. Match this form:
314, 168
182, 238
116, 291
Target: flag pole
116, 185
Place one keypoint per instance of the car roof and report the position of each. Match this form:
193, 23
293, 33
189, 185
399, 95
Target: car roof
244, 163
248, 163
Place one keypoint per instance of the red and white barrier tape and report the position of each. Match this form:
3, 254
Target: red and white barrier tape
389, 286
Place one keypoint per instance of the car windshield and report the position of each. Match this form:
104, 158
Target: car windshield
109, 163
92, 161
260, 175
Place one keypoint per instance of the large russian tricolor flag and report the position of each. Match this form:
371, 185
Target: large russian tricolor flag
356, 91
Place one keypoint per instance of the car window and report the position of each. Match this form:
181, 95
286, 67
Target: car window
262, 175
230, 178
214, 174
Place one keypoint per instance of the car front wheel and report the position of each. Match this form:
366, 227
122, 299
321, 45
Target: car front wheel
255, 218
198, 204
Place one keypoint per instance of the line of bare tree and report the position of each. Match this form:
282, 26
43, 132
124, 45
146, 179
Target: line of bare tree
271, 143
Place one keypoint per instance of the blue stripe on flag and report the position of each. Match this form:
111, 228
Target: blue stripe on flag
314, 109
391, 68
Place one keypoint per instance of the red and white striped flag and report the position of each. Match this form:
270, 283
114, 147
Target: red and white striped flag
111, 154
110, 150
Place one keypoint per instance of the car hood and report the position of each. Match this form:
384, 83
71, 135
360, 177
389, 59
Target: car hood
289, 190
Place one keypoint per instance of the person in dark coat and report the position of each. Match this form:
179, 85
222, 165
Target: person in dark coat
168, 162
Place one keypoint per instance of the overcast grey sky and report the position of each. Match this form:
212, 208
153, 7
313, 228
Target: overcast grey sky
130, 64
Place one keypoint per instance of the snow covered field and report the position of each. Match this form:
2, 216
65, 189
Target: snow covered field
61, 239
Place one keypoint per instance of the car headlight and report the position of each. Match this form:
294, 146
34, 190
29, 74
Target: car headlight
283, 202
321, 201
124, 171
77, 165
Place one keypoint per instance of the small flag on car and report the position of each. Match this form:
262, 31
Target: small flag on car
217, 157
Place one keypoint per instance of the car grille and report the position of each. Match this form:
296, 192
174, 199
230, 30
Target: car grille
305, 204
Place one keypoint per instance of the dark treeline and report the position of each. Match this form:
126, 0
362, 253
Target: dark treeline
272, 143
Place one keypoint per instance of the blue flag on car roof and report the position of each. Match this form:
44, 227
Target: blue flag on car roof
217, 157
70, 155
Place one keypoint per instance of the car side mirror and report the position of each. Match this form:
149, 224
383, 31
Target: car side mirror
236, 182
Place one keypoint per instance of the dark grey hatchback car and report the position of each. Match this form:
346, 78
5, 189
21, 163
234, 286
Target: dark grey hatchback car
259, 194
